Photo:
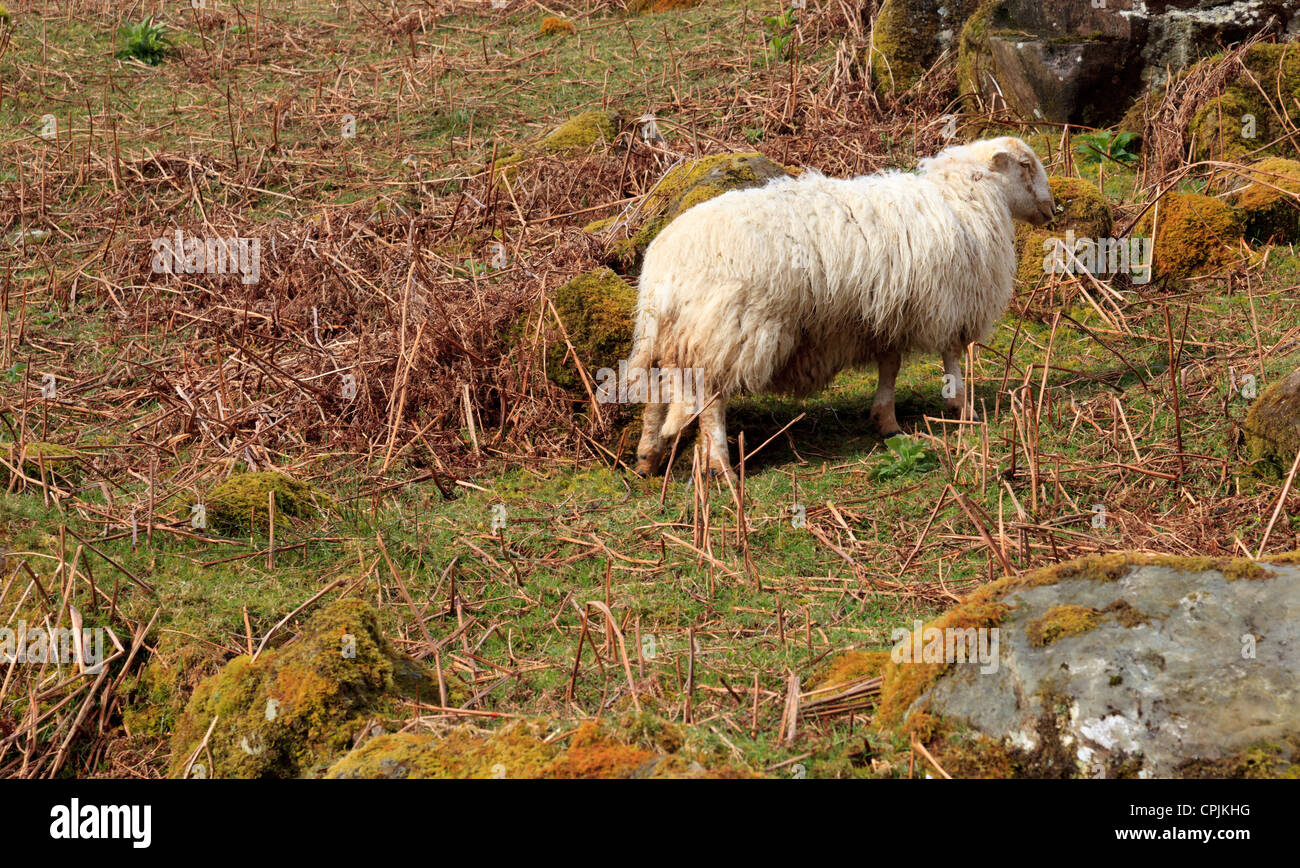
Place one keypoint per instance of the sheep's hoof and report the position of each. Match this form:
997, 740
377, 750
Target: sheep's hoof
895, 433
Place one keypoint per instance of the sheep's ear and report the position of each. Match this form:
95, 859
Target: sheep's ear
1001, 161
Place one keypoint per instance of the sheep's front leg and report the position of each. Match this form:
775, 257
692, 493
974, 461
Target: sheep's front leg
713, 431
650, 452
954, 390
882, 406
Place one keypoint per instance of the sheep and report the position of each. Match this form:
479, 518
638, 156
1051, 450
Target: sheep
778, 288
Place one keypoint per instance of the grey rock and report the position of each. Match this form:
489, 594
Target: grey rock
1213, 670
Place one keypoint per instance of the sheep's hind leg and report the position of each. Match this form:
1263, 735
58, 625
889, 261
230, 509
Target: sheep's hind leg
954, 390
882, 406
650, 452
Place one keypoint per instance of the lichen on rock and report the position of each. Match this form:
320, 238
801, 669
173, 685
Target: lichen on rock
1096, 657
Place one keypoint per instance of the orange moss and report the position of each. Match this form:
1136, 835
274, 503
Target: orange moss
551, 25
1195, 234
850, 666
592, 754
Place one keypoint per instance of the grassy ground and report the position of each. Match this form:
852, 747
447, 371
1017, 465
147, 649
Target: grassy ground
841, 543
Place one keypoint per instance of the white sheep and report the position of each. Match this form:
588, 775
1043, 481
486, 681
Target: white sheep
778, 288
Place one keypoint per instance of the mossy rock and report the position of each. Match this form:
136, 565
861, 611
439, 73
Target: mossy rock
683, 187
1266, 212
911, 35
1195, 235
973, 59
598, 310
577, 135
238, 504
519, 751
294, 709
904, 683
1273, 425
912, 698
1216, 132
1080, 207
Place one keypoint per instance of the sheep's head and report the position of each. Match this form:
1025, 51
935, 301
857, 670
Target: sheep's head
1023, 180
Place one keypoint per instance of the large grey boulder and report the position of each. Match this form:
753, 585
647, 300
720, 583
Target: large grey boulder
1149, 667
1083, 62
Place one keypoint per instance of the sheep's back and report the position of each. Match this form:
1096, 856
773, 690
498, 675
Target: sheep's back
888, 258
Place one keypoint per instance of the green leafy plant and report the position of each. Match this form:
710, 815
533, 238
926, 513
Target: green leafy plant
1094, 147
147, 42
780, 39
906, 456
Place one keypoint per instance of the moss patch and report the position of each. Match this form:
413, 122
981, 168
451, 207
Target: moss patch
904, 683
973, 58
910, 35
1262, 761
577, 135
598, 310
53, 456
1195, 234
1080, 207
240, 502
1217, 130
157, 696
518, 751
1265, 210
552, 25
1059, 622
294, 708
850, 666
